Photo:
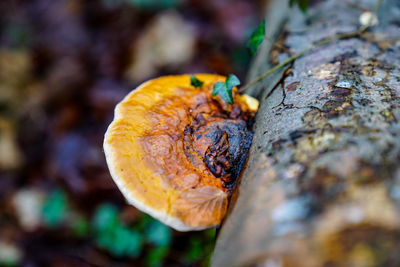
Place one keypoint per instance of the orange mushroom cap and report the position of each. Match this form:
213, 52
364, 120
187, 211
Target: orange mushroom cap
167, 143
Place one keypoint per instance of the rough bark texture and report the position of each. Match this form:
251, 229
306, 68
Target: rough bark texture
322, 185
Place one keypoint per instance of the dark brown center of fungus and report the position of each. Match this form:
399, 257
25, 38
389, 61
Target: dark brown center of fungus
221, 142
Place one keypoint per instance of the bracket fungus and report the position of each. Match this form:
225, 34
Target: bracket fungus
175, 151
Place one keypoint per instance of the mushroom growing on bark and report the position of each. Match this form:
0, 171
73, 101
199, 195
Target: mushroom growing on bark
176, 152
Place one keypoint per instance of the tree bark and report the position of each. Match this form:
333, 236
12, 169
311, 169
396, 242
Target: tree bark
322, 182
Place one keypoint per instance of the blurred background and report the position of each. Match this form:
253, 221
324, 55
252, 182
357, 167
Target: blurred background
64, 65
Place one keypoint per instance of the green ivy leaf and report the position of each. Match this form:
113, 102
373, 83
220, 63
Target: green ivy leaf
224, 89
302, 4
125, 242
232, 81
55, 208
195, 82
256, 38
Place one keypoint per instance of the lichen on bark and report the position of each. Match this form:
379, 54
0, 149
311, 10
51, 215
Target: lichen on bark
322, 185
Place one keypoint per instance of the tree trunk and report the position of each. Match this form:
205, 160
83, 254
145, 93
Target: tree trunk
322, 183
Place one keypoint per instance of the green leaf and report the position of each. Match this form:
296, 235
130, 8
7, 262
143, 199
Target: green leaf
112, 235
232, 81
195, 82
55, 208
256, 38
106, 217
223, 91
159, 234
126, 242
121, 241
